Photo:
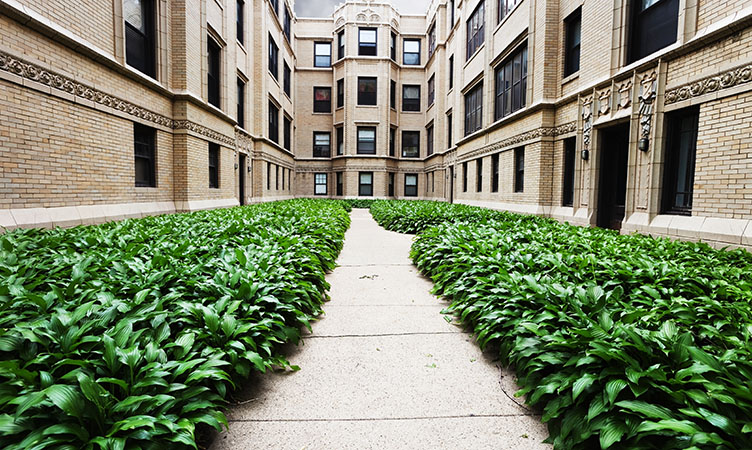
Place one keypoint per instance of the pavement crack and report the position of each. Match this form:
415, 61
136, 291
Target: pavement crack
387, 419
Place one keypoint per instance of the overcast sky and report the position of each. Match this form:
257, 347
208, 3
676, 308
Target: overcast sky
324, 8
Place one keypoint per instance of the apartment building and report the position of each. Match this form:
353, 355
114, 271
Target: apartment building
626, 114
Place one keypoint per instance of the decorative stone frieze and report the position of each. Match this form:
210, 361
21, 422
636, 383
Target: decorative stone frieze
731, 78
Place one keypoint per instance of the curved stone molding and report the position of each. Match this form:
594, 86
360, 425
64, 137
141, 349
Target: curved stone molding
733, 77
32, 72
395, 24
520, 138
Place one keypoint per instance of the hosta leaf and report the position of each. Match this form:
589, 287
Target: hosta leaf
131, 423
612, 432
679, 426
648, 410
613, 387
580, 385
66, 398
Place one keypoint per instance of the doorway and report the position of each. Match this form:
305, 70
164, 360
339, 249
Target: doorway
612, 190
241, 178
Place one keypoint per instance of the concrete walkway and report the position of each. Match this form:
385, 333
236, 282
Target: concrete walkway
383, 369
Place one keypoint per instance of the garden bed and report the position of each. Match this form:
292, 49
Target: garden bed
621, 341
131, 334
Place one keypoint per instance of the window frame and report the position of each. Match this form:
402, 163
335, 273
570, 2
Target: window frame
365, 189
674, 121
431, 90
320, 150
429, 140
340, 183
474, 109
479, 175
273, 120
392, 141
363, 146
411, 104
572, 28
393, 47
341, 93
450, 129
368, 48
495, 172
287, 132
640, 19
411, 190
287, 82
451, 72
393, 94
273, 58
145, 149
214, 162
317, 183
410, 137
340, 44
406, 54
366, 98
504, 8
141, 45
322, 106
239, 19
464, 176
476, 30
568, 175
316, 56
214, 73
432, 40
505, 97
241, 103
519, 169
340, 132
287, 25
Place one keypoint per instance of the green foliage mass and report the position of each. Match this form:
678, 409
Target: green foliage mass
621, 341
130, 334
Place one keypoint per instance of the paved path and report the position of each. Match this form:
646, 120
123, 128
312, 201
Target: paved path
383, 369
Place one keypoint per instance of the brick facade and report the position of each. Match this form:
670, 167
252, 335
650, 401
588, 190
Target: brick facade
69, 102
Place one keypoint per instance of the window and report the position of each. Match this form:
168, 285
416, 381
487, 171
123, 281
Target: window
479, 175
213, 73
341, 44
653, 26
429, 140
273, 58
321, 144
241, 103
340, 184
451, 72
341, 93
567, 196
391, 184
519, 169
411, 144
495, 173
322, 99
365, 184
287, 126
287, 27
366, 90
366, 140
276, 177
392, 140
411, 185
572, 26
431, 90
144, 139
474, 110
464, 177
320, 184
289, 180
213, 166
411, 97
273, 123
681, 150
431, 40
476, 33
367, 41
393, 94
288, 80
505, 7
511, 84
268, 176
451, 14
450, 127
411, 52
340, 140
140, 36
239, 18
284, 172
322, 52
393, 47
275, 6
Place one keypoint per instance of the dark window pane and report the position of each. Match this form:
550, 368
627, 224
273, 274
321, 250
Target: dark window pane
519, 169
365, 184
573, 25
144, 139
322, 54
366, 91
366, 140
511, 84
214, 73
140, 35
654, 25
322, 99
411, 144
321, 144
213, 166
411, 52
411, 185
273, 122
273, 57
569, 161
411, 98
681, 150
367, 41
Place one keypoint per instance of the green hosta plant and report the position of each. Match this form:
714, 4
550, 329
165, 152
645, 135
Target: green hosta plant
132, 334
621, 341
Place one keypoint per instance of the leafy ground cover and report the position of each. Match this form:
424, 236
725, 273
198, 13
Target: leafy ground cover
621, 341
131, 334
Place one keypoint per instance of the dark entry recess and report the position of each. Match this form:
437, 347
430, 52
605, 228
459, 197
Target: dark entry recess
612, 189
241, 178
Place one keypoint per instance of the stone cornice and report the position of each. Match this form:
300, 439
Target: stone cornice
725, 80
519, 139
53, 80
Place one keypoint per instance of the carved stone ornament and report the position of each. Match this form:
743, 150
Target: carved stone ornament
520, 138
604, 102
587, 121
731, 78
625, 95
648, 87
